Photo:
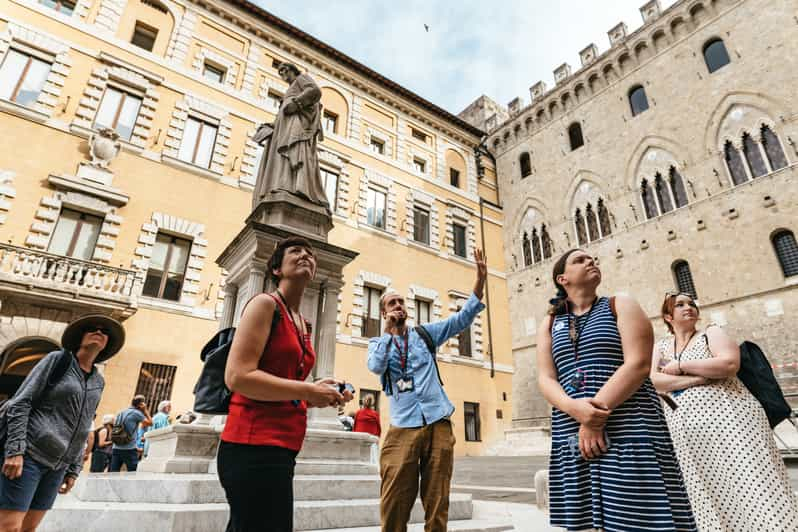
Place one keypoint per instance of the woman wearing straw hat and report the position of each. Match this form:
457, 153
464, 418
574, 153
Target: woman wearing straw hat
45, 424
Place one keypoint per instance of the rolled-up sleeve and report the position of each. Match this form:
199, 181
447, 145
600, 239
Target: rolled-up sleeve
443, 330
19, 406
378, 354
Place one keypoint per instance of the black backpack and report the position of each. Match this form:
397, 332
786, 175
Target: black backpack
385, 380
211, 394
757, 375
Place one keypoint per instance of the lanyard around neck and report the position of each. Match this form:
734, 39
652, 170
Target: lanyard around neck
300, 370
574, 332
403, 355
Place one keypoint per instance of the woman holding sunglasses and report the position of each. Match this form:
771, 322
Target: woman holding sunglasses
735, 477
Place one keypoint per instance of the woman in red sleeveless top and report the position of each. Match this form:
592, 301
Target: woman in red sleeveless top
367, 419
266, 371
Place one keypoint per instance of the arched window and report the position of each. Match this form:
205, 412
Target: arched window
683, 277
604, 218
773, 149
677, 188
638, 100
581, 232
663, 195
546, 243
575, 136
754, 156
527, 251
536, 246
786, 250
649, 203
592, 223
526, 165
735, 164
715, 55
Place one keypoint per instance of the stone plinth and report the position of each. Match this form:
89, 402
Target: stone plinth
181, 449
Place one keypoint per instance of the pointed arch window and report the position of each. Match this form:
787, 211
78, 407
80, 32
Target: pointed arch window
649, 203
526, 164
683, 278
735, 164
773, 150
536, 254
786, 250
545, 242
581, 232
604, 218
754, 156
527, 250
592, 223
663, 194
677, 187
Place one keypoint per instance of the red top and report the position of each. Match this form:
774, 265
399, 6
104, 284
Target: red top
278, 423
367, 420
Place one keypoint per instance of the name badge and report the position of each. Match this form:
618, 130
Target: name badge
405, 384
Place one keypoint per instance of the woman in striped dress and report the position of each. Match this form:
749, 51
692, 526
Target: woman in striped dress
612, 465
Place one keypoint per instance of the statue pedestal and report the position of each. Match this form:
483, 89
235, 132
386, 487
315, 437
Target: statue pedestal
293, 214
181, 449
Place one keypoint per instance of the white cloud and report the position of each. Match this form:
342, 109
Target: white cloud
472, 47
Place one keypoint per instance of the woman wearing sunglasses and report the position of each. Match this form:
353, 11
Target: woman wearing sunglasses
732, 469
46, 423
612, 464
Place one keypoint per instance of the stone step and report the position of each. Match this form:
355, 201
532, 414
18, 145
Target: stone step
73, 515
335, 467
469, 525
198, 488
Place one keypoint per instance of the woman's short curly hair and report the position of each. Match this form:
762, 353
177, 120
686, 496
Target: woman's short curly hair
276, 260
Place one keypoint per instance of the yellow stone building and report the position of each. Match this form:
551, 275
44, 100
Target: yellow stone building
132, 226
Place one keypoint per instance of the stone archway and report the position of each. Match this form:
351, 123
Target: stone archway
18, 359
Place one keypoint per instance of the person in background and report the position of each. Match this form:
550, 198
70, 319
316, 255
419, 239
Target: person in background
101, 451
130, 418
733, 471
159, 421
367, 419
47, 421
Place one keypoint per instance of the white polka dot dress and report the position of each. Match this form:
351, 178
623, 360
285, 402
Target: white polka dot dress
734, 474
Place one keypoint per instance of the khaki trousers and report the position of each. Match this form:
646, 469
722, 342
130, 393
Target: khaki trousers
406, 454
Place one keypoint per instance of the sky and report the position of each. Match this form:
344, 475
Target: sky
499, 48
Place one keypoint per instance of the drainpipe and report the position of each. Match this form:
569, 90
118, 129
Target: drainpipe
487, 288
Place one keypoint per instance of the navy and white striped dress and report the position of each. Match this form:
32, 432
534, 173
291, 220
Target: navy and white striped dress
635, 486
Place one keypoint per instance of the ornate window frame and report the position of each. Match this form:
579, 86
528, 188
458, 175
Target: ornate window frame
419, 198
192, 106
179, 227
372, 179
362, 279
7, 193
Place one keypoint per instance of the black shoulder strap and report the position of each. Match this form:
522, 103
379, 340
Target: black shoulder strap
424, 334
61, 367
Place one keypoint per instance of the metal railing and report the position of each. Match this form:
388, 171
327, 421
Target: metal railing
47, 270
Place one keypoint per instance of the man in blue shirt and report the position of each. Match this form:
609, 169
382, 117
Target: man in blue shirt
126, 453
420, 441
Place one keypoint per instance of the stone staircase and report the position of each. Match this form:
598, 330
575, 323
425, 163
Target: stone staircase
336, 487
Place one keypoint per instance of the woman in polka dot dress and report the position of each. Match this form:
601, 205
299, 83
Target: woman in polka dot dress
735, 477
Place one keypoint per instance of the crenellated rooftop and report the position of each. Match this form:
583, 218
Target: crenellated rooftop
660, 30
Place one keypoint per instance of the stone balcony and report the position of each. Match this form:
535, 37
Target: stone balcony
56, 281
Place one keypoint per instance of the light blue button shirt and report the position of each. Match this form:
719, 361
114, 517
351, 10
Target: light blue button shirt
427, 402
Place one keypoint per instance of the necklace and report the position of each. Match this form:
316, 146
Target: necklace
678, 356
575, 331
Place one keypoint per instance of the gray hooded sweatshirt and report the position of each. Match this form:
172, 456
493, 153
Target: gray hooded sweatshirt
50, 424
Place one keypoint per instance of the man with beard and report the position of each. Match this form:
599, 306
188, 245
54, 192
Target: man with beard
420, 441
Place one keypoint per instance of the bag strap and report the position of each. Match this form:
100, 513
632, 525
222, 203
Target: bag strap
425, 335
61, 367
